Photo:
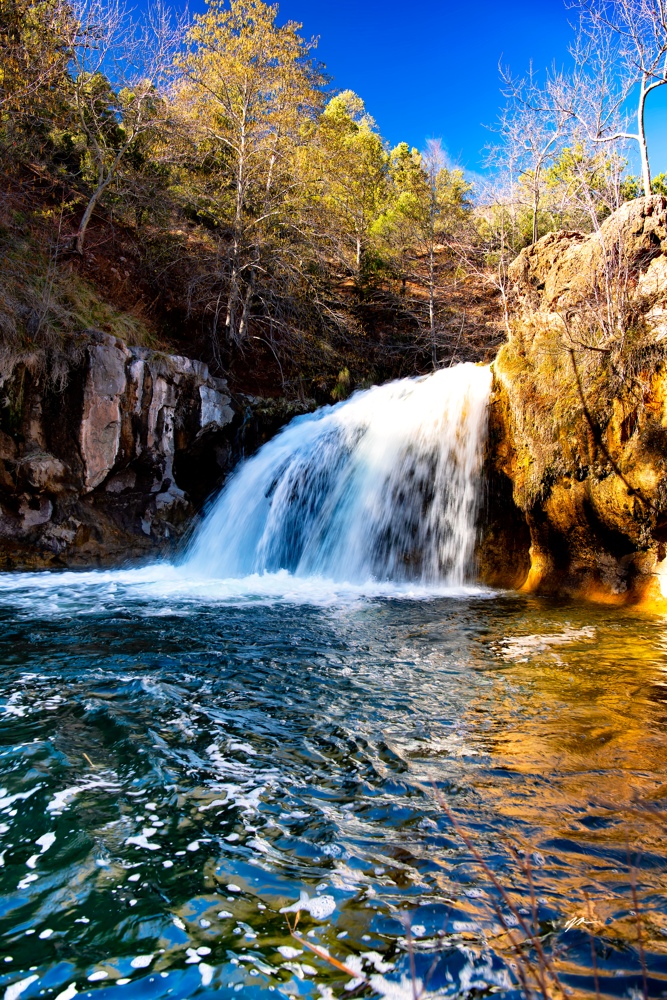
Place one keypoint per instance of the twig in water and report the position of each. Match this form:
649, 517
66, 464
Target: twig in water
321, 953
640, 934
594, 957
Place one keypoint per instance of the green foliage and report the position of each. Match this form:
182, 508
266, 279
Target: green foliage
631, 188
250, 90
341, 390
346, 169
269, 210
35, 48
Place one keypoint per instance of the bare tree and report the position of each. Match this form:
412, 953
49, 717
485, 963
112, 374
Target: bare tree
563, 142
625, 39
121, 71
532, 126
495, 240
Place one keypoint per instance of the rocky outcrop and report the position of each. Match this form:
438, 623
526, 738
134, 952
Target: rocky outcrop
113, 465
579, 415
110, 460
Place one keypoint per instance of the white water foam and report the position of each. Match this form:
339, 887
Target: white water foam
161, 590
384, 487
374, 497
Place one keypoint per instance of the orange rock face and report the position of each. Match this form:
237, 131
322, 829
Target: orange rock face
579, 413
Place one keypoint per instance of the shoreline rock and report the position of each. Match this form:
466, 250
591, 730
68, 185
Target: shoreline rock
113, 467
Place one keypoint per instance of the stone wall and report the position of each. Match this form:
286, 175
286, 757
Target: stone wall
113, 466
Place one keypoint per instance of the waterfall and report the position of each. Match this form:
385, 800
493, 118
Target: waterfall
385, 486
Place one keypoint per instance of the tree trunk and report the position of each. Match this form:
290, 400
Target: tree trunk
87, 215
102, 185
232, 300
641, 135
245, 309
431, 304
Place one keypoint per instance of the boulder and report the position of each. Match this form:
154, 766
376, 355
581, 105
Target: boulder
43, 473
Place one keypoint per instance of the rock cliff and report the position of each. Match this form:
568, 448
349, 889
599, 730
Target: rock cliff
578, 422
110, 458
110, 461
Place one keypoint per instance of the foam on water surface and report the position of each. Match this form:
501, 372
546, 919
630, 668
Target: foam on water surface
195, 754
163, 590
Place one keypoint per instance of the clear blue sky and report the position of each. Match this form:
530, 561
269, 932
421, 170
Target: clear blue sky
429, 69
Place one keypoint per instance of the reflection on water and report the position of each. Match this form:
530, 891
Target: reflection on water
175, 771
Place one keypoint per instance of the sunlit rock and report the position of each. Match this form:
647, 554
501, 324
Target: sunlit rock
580, 408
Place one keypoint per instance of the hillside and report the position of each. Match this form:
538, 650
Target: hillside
137, 284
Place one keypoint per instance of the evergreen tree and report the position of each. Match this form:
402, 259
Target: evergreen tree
349, 170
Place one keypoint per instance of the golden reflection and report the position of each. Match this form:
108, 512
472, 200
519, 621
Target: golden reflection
578, 709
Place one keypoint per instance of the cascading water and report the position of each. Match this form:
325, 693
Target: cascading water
384, 486
189, 757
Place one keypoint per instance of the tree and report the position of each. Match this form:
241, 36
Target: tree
35, 50
533, 127
120, 74
349, 176
635, 32
250, 88
557, 169
32, 52
428, 207
584, 185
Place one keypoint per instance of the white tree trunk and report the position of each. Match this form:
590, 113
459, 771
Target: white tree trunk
90, 207
431, 303
234, 292
641, 136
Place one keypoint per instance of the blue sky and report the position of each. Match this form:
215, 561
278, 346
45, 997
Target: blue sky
429, 69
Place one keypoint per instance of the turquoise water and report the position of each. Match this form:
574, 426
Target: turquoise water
179, 764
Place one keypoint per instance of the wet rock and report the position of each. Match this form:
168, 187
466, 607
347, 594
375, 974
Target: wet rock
43, 472
125, 480
215, 408
8, 449
34, 511
215, 450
